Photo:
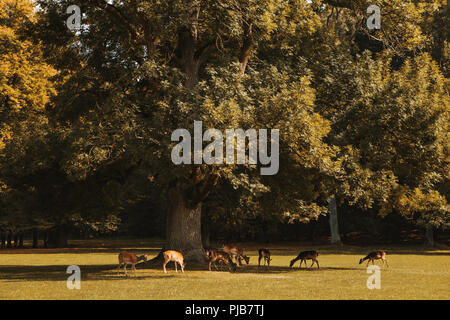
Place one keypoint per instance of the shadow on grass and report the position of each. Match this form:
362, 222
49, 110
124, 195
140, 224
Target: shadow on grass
58, 273
279, 269
136, 249
109, 272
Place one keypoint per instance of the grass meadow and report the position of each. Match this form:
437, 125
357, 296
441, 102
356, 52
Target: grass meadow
413, 273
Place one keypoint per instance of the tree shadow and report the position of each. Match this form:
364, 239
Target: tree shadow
281, 269
58, 273
261, 270
109, 272
137, 250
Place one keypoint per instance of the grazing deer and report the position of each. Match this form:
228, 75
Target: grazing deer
375, 255
209, 252
264, 254
126, 258
306, 255
175, 256
236, 252
221, 256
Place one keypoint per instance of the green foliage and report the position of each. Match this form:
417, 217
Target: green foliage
370, 127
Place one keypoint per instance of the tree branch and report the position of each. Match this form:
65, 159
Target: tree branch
115, 11
247, 46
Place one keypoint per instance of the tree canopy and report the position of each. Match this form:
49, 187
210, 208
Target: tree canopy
87, 116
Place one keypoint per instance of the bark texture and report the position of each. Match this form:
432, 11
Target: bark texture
429, 235
35, 238
184, 227
334, 225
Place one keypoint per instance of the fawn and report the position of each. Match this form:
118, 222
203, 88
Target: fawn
306, 255
375, 255
126, 258
220, 256
264, 254
236, 252
176, 257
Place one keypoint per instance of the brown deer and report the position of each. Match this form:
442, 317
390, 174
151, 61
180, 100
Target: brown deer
306, 255
220, 256
264, 254
236, 252
176, 257
126, 258
209, 252
375, 255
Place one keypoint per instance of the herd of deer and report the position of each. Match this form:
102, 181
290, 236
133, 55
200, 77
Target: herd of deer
226, 254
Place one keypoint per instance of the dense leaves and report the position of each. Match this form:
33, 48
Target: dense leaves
87, 116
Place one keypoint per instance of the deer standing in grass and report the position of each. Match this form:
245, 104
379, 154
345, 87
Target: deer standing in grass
209, 252
375, 255
306, 255
236, 252
176, 257
126, 258
220, 256
264, 254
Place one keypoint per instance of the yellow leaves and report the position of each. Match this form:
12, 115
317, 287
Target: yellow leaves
24, 76
5, 135
417, 201
16, 12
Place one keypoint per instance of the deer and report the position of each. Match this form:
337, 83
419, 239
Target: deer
264, 254
236, 252
220, 256
375, 255
306, 255
126, 258
209, 252
176, 257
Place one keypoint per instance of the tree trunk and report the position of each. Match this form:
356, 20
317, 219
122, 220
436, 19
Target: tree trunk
21, 239
86, 233
184, 227
206, 229
429, 235
45, 239
57, 237
3, 237
35, 238
206, 235
246, 47
9, 240
312, 230
16, 236
334, 225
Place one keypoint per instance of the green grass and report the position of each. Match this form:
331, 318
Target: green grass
414, 273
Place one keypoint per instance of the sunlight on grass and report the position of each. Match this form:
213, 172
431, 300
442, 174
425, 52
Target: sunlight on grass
411, 275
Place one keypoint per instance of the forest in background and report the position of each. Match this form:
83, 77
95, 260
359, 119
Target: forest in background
86, 118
